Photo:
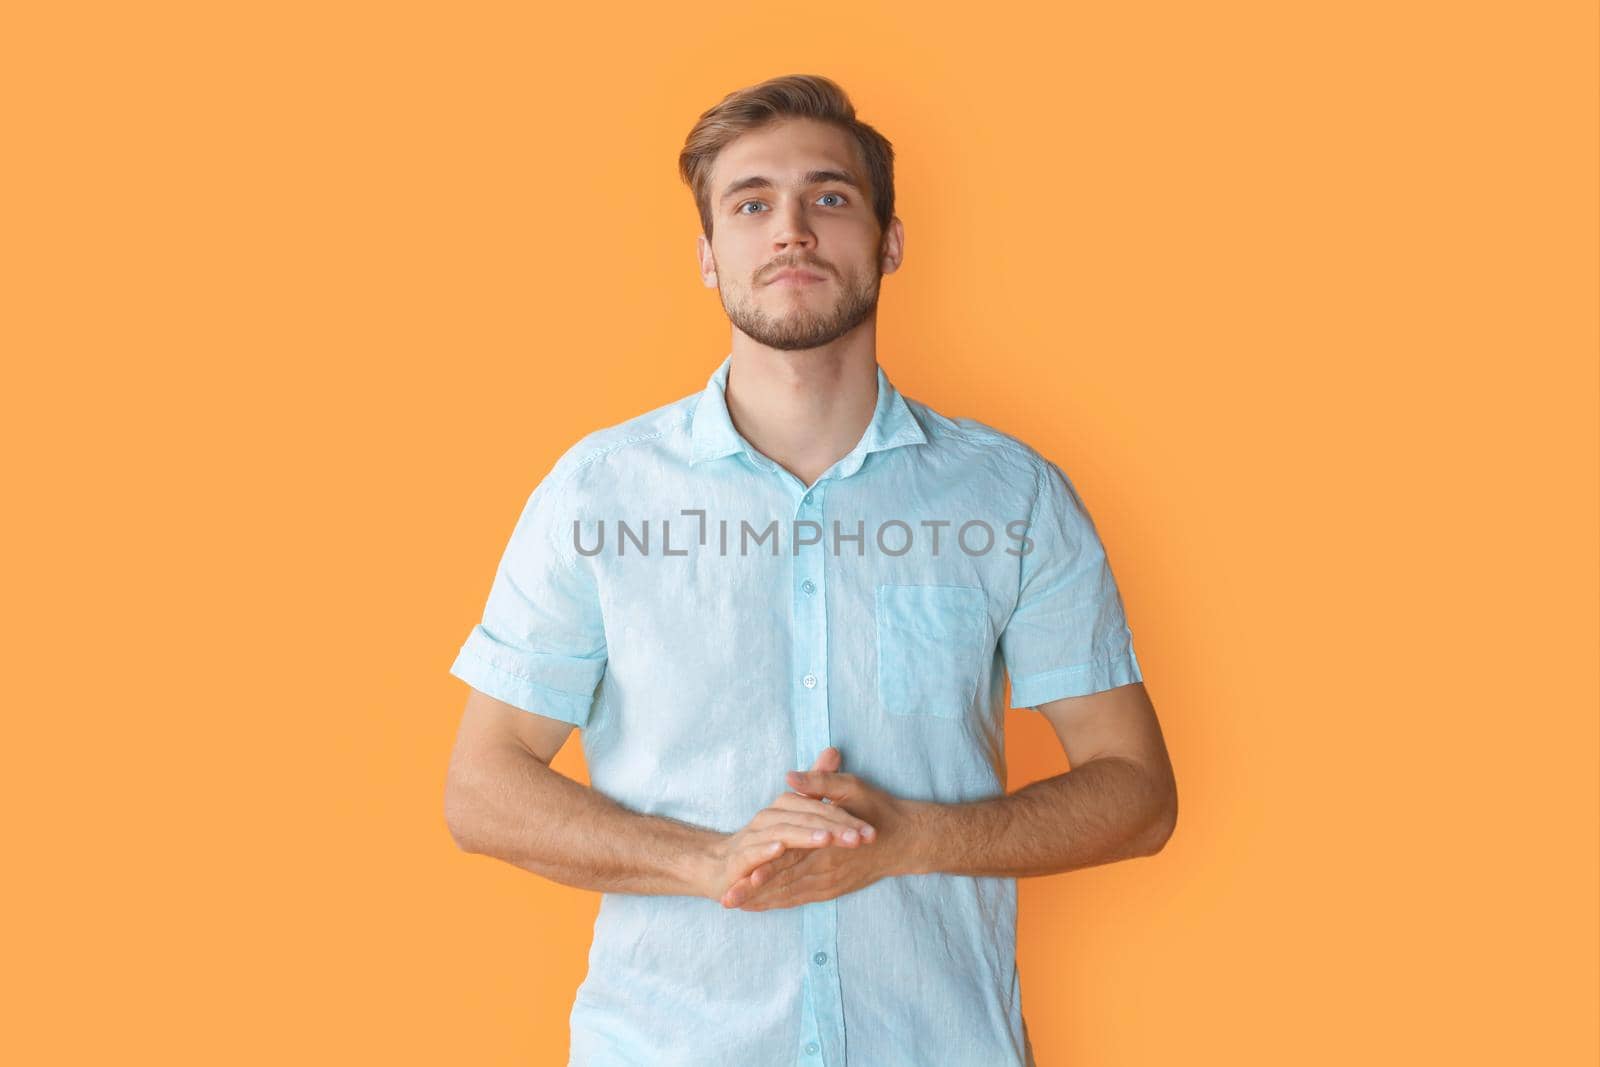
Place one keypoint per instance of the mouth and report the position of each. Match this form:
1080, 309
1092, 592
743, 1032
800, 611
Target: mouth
795, 277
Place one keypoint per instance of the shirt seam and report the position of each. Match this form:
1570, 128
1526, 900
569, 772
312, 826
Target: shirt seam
991, 438
1033, 521
570, 561
522, 678
1088, 665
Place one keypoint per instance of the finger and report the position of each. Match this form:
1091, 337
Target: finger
772, 872
794, 891
833, 813
781, 875
764, 874
818, 816
827, 760
748, 888
787, 900
774, 839
833, 785
840, 816
745, 887
747, 861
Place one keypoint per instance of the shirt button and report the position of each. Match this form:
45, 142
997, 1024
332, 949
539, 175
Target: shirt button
808, 587
811, 1048
820, 958
809, 681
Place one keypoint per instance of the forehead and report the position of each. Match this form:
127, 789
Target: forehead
785, 149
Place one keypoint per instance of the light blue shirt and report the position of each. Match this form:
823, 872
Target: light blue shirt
735, 624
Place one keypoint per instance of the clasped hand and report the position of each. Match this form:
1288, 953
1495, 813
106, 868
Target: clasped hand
800, 849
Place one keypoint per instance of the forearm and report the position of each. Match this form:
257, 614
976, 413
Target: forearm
509, 805
1106, 810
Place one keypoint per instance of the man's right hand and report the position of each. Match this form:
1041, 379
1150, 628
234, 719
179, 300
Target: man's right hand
792, 821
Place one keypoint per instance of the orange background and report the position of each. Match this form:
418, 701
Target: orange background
301, 300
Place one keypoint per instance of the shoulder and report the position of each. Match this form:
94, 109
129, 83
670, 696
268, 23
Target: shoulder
599, 453
1010, 459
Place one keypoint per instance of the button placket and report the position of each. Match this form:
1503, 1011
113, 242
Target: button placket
809, 603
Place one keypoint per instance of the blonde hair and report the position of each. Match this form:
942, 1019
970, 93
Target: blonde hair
791, 96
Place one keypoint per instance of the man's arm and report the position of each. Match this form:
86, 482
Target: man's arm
503, 800
1118, 801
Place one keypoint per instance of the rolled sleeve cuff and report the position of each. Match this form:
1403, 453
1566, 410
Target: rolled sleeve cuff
541, 683
1032, 690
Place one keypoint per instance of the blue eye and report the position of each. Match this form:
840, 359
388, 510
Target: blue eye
740, 210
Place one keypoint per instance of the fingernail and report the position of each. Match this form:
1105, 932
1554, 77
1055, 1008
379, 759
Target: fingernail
868, 832
851, 836
819, 835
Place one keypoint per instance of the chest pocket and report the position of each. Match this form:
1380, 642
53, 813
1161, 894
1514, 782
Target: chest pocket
931, 642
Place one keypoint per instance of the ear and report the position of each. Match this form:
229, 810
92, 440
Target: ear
893, 246
708, 262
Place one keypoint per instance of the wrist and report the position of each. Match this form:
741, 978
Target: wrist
700, 864
924, 825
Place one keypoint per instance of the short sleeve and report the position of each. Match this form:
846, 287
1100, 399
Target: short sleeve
1068, 635
541, 645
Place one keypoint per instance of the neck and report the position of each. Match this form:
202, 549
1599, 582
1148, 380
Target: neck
805, 410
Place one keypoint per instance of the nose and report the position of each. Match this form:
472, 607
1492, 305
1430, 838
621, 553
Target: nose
792, 231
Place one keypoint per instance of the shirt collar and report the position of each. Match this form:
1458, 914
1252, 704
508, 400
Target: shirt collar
713, 435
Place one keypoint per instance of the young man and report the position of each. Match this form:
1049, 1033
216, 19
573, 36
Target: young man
800, 567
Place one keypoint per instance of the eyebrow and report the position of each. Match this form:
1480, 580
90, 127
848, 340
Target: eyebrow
813, 177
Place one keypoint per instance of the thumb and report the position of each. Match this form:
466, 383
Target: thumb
828, 760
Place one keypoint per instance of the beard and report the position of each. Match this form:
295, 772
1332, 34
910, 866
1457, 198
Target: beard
802, 327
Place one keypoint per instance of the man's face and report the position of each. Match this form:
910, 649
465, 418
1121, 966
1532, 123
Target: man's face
793, 195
